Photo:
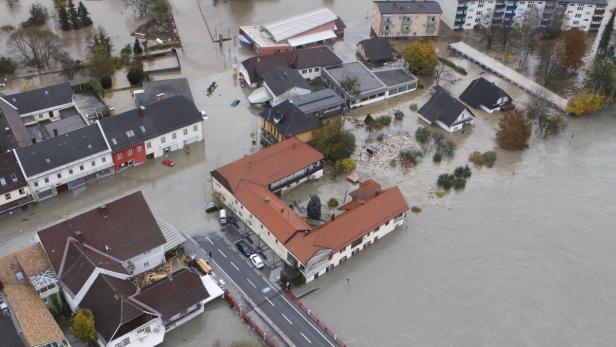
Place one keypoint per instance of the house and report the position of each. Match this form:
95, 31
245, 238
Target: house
41, 104
153, 91
97, 255
300, 117
283, 83
13, 132
406, 18
65, 162
151, 131
375, 50
486, 95
14, 190
369, 86
447, 112
586, 15
28, 281
310, 28
309, 62
250, 188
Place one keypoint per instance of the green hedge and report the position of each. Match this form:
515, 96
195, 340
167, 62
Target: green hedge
452, 65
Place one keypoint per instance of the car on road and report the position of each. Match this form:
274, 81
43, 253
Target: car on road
222, 217
256, 260
169, 163
244, 248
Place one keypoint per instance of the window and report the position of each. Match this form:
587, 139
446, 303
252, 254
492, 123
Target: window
196, 127
162, 139
93, 163
129, 152
148, 145
36, 183
123, 343
316, 69
174, 136
70, 171
13, 177
22, 191
104, 160
7, 196
59, 175
139, 149
304, 71
146, 264
81, 167
46, 179
387, 223
119, 156
185, 131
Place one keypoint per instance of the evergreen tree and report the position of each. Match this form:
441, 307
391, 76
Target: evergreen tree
65, 23
137, 47
84, 15
605, 48
72, 14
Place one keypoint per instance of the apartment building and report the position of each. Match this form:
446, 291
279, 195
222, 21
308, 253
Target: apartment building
406, 18
467, 14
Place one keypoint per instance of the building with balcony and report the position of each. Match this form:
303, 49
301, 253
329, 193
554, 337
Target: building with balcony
405, 18
14, 190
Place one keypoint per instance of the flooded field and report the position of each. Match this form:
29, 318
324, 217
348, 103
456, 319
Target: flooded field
524, 256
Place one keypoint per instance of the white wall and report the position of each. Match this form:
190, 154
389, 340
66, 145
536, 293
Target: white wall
146, 261
449, 8
140, 337
43, 115
311, 73
14, 194
189, 134
579, 16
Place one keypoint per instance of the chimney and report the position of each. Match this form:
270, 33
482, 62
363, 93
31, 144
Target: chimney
267, 199
107, 248
46, 92
77, 234
103, 211
142, 111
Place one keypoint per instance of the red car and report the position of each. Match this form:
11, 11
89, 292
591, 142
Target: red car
169, 163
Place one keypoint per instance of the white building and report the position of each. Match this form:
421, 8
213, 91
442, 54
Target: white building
446, 111
175, 140
463, 15
283, 83
42, 104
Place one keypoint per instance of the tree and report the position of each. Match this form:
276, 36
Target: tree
442, 75
69, 66
537, 107
333, 142
602, 77
525, 33
551, 68
605, 48
73, 16
514, 130
332, 203
586, 102
314, 207
84, 326
140, 7
572, 48
65, 22
423, 135
12, 3
137, 47
99, 59
159, 11
556, 23
485, 28
345, 166
106, 82
421, 56
38, 48
83, 15
7, 66
135, 73
350, 85
38, 16
552, 124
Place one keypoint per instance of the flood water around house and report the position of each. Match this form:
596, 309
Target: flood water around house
524, 256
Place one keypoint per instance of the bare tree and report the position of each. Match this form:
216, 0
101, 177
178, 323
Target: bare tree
525, 33
551, 68
486, 29
38, 48
12, 3
442, 75
141, 7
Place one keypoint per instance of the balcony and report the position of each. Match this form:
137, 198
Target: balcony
13, 204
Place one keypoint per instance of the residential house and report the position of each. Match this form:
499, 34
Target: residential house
375, 50
309, 62
250, 187
445, 111
153, 91
486, 95
14, 190
586, 15
406, 18
27, 282
310, 28
150, 131
41, 104
13, 132
65, 162
283, 83
323, 104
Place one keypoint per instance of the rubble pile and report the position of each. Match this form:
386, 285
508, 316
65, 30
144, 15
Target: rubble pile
384, 151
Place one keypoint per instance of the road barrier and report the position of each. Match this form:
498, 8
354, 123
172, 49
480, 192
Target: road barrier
234, 304
315, 319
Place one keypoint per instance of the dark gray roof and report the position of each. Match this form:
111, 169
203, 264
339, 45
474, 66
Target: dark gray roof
408, 7
289, 120
377, 49
281, 79
13, 132
40, 99
443, 107
170, 87
130, 128
339, 23
394, 77
60, 150
317, 101
482, 92
8, 332
365, 78
11, 177
297, 59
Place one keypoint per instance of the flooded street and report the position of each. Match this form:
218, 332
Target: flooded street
524, 256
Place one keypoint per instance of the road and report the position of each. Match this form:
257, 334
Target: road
282, 311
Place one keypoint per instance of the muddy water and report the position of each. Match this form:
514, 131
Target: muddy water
523, 257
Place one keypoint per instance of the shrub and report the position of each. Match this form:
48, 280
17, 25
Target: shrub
381, 122
7, 66
459, 172
423, 135
415, 209
137, 47
467, 172
477, 158
106, 82
459, 183
410, 156
445, 147
84, 325
345, 165
38, 16
452, 65
445, 181
398, 115
332, 203
135, 73
413, 107
440, 194
393, 163
437, 157
7, 28
380, 137
489, 158
95, 86
586, 102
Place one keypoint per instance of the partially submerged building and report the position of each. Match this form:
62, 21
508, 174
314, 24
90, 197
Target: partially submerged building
375, 50
153, 91
43, 104
486, 95
283, 83
406, 18
446, 111
14, 190
315, 27
250, 187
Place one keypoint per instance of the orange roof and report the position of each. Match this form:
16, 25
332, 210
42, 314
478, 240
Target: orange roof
270, 164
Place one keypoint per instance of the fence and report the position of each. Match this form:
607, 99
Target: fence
235, 305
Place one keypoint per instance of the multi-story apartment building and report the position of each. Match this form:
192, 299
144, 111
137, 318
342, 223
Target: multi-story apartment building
467, 14
406, 18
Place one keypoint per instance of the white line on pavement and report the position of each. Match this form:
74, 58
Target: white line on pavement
288, 320
268, 300
305, 337
208, 239
249, 281
224, 255
307, 321
238, 269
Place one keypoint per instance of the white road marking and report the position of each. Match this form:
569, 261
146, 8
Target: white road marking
268, 300
249, 281
238, 269
208, 240
224, 255
307, 321
305, 337
288, 320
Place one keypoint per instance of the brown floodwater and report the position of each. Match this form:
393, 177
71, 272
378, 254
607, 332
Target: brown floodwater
524, 256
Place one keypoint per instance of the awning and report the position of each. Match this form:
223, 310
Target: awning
312, 38
259, 96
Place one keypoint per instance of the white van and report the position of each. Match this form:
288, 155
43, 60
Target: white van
222, 216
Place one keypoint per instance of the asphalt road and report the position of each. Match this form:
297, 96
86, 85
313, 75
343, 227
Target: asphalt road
282, 311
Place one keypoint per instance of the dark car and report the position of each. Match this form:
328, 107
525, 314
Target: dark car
244, 248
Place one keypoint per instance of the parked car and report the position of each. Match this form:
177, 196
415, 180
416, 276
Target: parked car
169, 163
222, 216
256, 260
244, 248
211, 207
